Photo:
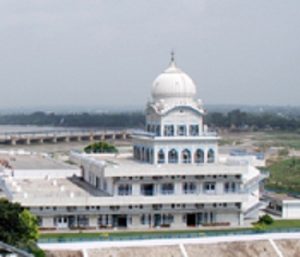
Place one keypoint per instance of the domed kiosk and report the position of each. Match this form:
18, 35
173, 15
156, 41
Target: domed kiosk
173, 83
174, 123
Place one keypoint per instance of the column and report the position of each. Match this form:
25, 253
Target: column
166, 151
178, 221
192, 155
155, 156
93, 221
178, 188
200, 187
179, 155
241, 219
136, 188
115, 189
136, 223
219, 187
205, 155
47, 222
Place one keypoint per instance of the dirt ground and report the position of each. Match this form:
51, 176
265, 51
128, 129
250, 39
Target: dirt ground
64, 254
259, 248
235, 249
157, 251
289, 247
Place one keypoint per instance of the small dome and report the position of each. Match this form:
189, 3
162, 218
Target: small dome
173, 83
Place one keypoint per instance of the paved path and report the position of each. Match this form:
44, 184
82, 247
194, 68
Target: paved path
275, 247
161, 242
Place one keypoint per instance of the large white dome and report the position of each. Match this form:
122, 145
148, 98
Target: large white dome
173, 83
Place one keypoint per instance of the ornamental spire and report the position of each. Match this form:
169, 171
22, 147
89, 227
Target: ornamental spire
172, 58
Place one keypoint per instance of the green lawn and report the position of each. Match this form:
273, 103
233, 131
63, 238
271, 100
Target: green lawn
124, 235
285, 176
279, 225
284, 224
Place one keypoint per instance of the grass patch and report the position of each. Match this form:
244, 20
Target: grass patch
285, 176
284, 224
130, 234
280, 225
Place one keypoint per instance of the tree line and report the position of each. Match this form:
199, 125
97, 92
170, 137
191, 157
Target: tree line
132, 119
235, 119
253, 121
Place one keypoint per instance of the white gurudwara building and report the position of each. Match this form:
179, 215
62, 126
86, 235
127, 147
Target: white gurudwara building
173, 177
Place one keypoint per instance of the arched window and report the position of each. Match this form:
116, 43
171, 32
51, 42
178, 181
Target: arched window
142, 154
137, 153
173, 156
186, 156
161, 156
210, 156
148, 127
199, 156
147, 155
151, 155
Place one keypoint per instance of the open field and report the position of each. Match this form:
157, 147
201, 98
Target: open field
261, 140
278, 139
285, 176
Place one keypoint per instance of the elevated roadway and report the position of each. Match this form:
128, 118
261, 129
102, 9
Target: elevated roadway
56, 136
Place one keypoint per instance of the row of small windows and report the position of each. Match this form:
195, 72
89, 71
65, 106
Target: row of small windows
181, 177
158, 206
169, 130
169, 188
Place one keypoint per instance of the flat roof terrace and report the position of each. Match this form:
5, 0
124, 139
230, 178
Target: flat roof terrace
69, 192
281, 196
32, 161
124, 165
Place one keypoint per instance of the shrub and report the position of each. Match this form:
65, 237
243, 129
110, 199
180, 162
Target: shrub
266, 219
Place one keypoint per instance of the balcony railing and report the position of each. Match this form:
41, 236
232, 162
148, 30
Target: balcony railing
147, 192
167, 192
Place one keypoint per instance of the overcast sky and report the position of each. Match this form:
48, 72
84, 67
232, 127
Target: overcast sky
83, 53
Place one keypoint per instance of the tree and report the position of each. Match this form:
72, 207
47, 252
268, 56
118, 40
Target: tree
100, 147
18, 227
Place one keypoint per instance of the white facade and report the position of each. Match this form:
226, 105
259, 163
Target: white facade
173, 178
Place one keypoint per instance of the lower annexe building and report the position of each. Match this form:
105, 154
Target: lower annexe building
104, 195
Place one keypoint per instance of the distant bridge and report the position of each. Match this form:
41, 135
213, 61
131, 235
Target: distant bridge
57, 136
